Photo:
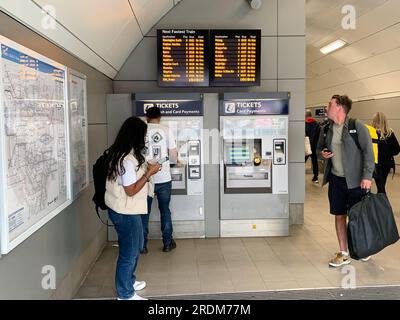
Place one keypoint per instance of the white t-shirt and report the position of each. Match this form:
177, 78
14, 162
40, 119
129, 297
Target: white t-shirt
159, 140
129, 177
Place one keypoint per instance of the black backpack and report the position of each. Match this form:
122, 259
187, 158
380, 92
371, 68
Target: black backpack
100, 178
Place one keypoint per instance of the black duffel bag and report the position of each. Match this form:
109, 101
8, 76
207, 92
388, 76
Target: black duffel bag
371, 226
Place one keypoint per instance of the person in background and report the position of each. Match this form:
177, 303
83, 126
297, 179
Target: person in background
388, 147
312, 132
348, 169
161, 144
127, 187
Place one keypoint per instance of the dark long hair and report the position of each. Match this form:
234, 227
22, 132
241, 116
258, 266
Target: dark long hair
130, 138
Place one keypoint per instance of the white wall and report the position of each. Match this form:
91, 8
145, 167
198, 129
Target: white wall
368, 67
75, 237
100, 32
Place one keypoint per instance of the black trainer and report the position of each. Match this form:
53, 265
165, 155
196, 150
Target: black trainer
170, 247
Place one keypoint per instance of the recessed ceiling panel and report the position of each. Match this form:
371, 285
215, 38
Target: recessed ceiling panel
148, 12
107, 27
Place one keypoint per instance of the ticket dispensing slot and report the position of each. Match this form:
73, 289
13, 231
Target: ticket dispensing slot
279, 151
178, 175
194, 162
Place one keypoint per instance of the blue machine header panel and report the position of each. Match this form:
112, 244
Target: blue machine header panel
242, 107
171, 108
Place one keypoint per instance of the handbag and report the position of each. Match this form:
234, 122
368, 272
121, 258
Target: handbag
307, 146
371, 226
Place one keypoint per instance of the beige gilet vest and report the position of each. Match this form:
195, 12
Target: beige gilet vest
117, 199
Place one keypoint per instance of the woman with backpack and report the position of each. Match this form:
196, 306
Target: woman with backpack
388, 147
127, 187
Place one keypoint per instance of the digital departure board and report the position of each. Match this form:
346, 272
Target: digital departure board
235, 57
182, 57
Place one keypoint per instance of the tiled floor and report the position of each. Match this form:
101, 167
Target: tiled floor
253, 264
359, 293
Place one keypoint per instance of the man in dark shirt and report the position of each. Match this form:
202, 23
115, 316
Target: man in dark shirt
312, 132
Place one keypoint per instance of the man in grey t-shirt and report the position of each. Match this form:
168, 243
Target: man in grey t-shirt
348, 169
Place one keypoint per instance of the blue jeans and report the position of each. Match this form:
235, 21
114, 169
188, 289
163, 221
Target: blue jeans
130, 241
163, 193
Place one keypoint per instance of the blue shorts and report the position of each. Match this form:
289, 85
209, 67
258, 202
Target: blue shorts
341, 199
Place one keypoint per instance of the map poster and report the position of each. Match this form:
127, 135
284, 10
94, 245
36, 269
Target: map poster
34, 142
78, 132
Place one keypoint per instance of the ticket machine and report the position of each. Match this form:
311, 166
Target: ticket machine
254, 195
183, 115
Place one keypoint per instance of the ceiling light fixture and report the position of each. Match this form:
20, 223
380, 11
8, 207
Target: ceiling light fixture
335, 45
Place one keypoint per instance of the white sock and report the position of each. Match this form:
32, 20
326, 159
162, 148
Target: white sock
345, 253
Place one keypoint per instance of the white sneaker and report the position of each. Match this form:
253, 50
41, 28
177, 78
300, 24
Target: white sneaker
134, 297
139, 285
366, 259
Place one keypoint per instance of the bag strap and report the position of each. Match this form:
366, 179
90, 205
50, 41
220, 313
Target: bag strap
326, 128
353, 132
98, 214
325, 133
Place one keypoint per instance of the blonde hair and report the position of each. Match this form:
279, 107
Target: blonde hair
380, 124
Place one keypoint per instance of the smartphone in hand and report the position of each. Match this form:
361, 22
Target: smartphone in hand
162, 160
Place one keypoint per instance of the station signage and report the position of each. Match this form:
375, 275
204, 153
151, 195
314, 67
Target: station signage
172, 108
254, 107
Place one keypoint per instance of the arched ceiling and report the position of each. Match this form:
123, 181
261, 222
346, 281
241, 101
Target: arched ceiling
100, 32
368, 67
103, 33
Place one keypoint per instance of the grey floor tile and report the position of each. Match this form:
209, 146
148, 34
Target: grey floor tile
275, 263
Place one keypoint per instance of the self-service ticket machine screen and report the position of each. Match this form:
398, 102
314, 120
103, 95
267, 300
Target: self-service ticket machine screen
244, 166
184, 119
254, 166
